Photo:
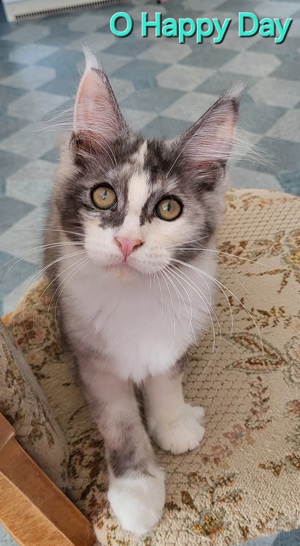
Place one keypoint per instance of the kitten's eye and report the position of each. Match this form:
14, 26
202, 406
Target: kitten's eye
169, 208
104, 197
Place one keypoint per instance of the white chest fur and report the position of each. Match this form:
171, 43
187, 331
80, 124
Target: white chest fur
139, 327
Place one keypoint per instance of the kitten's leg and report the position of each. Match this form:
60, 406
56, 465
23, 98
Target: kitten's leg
174, 425
136, 484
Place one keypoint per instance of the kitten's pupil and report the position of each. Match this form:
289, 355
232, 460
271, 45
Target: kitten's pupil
104, 197
168, 209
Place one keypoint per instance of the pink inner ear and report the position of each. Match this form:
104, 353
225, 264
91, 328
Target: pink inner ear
212, 140
95, 111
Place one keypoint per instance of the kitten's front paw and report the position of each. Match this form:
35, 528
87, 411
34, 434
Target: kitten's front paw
181, 434
138, 501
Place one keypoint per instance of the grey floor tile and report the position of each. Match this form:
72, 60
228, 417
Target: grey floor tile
96, 42
221, 81
135, 12
209, 57
12, 210
60, 38
290, 182
13, 273
141, 73
287, 127
31, 144
122, 88
25, 238
166, 52
278, 9
52, 155
62, 85
9, 125
245, 178
9, 69
258, 118
264, 541
281, 154
235, 6
131, 48
87, 22
288, 539
276, 92
5, 539
12, 299
28, 32
283, 51
253, 63
65, 61
32, 184
289, 70
111, 63
31, 53
138, 119
43, 103
184, 78
163, 127
190, 106
30, 77
10, 162
8, 94
154, 100
205, 4
6, 49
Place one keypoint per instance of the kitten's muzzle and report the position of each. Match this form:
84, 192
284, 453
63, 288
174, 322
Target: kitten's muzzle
127, 245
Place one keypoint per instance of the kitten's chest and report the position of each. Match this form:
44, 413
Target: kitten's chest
141, 328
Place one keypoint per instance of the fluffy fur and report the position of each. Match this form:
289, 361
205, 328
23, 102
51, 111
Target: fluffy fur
131, 321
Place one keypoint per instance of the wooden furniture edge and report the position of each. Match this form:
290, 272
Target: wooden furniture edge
32, 508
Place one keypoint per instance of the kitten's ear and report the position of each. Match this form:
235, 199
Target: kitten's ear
210, 139
97, 118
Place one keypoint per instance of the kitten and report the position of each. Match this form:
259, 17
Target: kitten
131, 237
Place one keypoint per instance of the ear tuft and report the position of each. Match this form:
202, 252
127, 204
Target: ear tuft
235, 91
90, 59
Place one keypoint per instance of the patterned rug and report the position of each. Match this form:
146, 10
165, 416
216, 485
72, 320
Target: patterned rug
243, 482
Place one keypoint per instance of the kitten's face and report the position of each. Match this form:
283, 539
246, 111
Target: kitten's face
138, 204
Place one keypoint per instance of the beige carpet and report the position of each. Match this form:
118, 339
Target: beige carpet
244, 480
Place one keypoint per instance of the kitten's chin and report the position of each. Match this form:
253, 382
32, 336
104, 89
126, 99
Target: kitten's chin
124, 272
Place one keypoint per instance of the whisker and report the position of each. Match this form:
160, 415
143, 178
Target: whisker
190, 315
179, 296
203, 249
34, 277
188, 282
163, 273
34, 250
219, 284
161, 294
63, 284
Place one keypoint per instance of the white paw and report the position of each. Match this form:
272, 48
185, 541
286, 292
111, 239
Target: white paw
138, 501
181, 434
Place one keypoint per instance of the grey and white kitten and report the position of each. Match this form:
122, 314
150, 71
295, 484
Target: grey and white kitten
131, 237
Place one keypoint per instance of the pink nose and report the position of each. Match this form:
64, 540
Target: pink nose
127, 246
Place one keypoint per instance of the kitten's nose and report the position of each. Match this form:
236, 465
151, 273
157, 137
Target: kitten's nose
127, 246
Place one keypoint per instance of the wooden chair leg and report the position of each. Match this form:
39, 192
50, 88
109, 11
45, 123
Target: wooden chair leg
33, 510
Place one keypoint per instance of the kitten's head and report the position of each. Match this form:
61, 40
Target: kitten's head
137, 204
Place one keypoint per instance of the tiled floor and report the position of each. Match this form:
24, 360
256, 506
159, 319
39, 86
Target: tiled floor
162, 87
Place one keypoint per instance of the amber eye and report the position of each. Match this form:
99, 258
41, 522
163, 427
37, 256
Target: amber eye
169, 208
104, 197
